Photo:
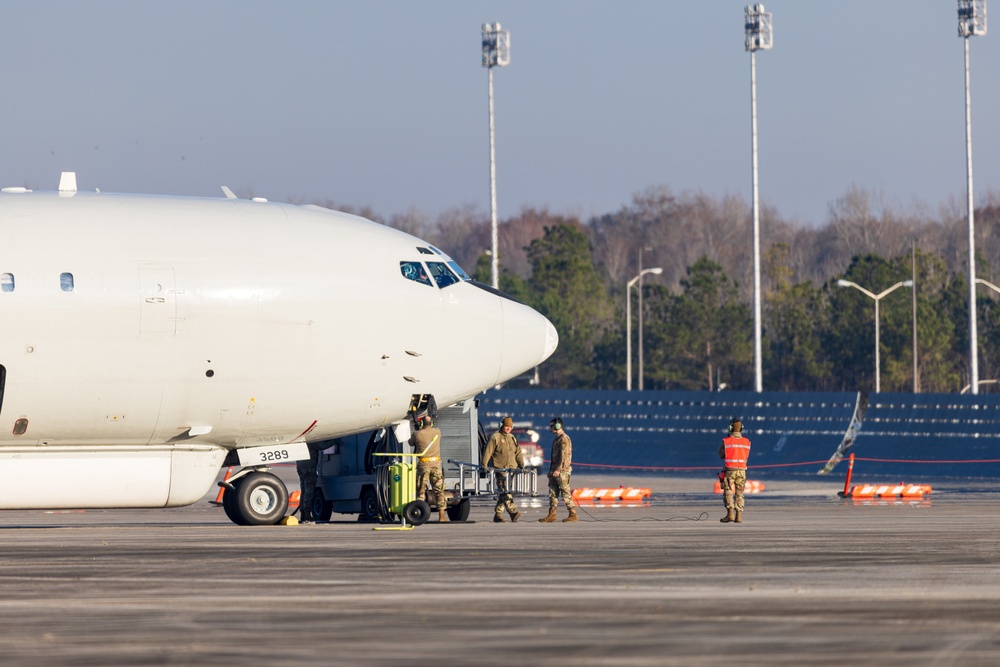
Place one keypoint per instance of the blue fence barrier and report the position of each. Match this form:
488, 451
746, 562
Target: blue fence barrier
955, 435
942, 435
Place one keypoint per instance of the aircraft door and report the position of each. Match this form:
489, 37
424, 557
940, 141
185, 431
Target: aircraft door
3, 381
158, 302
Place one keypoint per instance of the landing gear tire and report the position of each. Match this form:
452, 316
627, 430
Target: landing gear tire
417, 512
260, 499
229, 502
460, 511
322, 509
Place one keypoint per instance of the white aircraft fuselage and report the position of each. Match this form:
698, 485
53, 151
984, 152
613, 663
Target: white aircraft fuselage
143, 338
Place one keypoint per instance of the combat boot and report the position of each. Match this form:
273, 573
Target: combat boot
572, 516
730, 516
498, 518
551, 518
739, 516
442, 516
514, 517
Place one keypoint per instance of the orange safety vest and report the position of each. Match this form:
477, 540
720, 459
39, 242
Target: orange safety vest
737, 452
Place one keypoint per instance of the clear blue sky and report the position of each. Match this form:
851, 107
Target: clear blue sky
384, 103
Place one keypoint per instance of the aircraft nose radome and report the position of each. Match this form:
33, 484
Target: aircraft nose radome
528, 340
551, 340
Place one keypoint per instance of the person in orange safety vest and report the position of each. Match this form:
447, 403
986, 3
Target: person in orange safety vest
735, 450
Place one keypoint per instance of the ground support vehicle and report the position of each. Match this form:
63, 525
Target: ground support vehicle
401, 500
355, 472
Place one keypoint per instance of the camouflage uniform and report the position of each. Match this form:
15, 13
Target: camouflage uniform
306, 468
560, 469
427, 443
733, 484
502, 451
734, 477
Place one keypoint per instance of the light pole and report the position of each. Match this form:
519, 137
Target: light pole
759, 35
628, 323
913, 294
496, 53
641, 373
877, 297
971, 21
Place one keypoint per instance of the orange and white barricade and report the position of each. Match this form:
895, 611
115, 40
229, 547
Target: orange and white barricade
752, 486
890, 491
620, 494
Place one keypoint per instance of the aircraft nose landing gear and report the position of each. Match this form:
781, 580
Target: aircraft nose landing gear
254, 497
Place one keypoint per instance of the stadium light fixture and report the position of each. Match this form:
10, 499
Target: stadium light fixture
496, 53
759, 36
971, 21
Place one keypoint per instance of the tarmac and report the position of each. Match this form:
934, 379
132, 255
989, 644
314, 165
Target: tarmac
808, 579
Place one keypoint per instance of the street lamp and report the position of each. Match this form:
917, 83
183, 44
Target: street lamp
971, 21
759, 35
988, 284
496, 53
628, 323
877, 297
642, 375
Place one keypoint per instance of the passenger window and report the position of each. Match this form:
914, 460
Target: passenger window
442, 276
7, 282
414, 271
66, 282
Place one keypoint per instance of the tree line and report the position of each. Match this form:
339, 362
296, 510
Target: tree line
697, 314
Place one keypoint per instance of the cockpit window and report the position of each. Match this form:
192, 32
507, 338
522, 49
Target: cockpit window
424, 251
442, 275
452, 264
7, 282
414, 271
457, 269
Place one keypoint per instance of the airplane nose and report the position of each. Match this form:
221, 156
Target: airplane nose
551, 340
528, 339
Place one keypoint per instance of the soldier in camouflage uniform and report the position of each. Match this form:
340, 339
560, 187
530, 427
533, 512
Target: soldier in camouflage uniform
560, 467
735, 449
502, 451
426, 444
307, 470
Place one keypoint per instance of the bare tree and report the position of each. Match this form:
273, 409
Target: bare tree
464, 234
517, 233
